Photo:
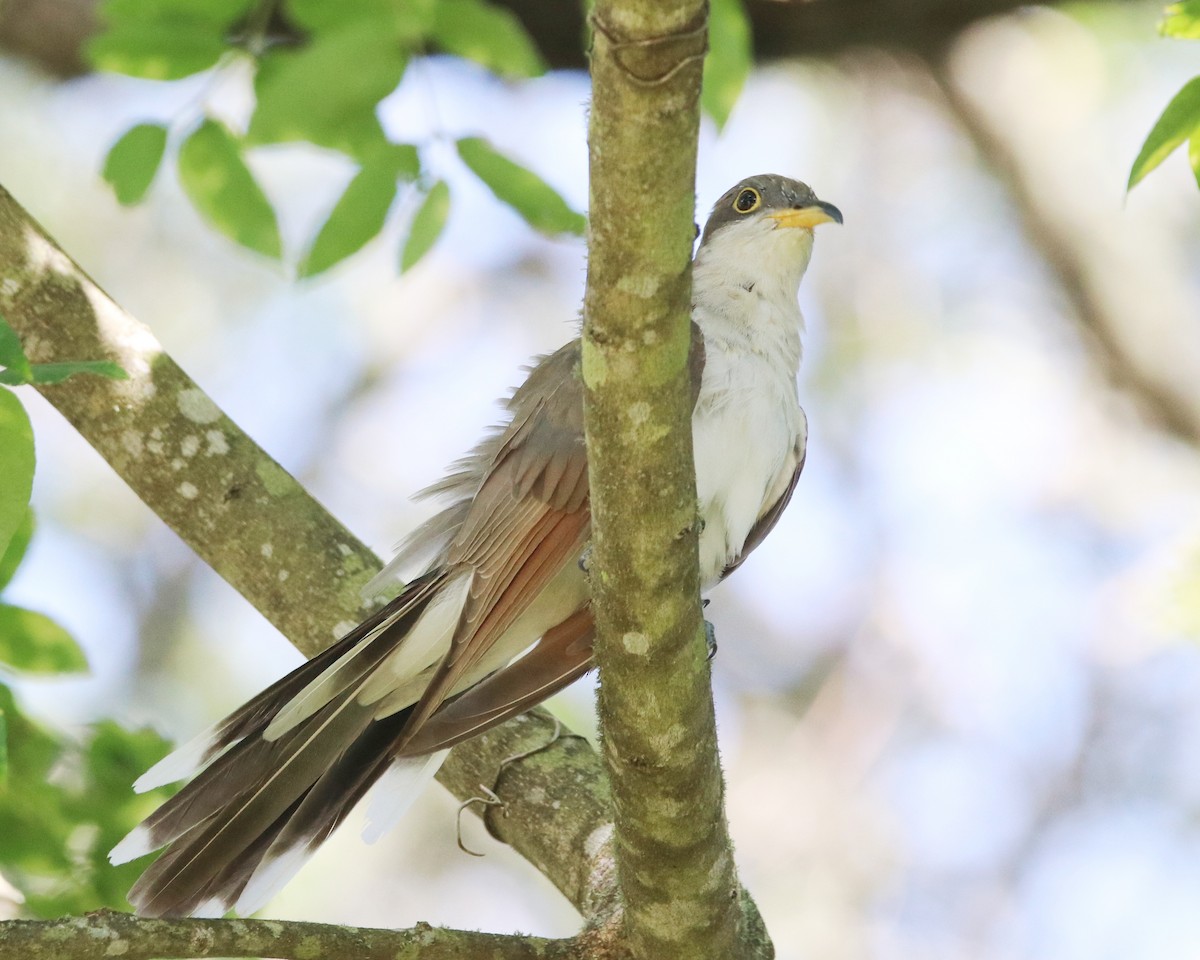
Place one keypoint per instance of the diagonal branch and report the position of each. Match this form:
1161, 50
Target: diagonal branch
260, 530
1101, 279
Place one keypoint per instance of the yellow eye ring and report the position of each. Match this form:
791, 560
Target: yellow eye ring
747, 200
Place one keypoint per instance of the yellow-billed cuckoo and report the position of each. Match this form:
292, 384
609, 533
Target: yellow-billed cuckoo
504, 580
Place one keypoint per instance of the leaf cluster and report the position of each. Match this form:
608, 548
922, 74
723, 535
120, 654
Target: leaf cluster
323, 90
63, 802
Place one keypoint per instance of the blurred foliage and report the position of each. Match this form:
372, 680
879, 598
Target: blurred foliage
427, 224
1180, 121
322, 84
63, 804
304, 92
730, 57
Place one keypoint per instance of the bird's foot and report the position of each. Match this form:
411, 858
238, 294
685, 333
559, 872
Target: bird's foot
710, 638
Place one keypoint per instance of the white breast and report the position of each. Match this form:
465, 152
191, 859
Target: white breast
747, 425
746, 429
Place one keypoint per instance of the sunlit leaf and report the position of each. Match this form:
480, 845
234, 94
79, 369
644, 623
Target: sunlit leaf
427, 224
225, 192
133, 161
16, 465
157, 50
31, 642
1178, 122
542, 207
14, 553
312, 94
1181, 20
12, 357
729, 59
489, 35
357, 217
1194, 155
217, 12
410, 20
3, 749
58, 372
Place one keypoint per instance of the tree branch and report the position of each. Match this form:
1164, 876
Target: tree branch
106, 933
1141, 357
261, 531
675, 862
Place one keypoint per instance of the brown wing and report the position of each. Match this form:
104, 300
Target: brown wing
528, 520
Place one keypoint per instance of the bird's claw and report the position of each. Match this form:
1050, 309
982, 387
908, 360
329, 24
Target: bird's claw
710, 637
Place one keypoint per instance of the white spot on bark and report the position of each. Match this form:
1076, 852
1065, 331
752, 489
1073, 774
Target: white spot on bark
639, 413
636, 643
345, 549
196, 406
190, 446
266, 550
177, 464
217, 444
155, 446
283, 575
117, 948
131, 440
188, 491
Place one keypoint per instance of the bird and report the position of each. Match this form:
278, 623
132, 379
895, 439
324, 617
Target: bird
500, 617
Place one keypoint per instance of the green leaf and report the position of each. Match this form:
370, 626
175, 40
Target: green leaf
427, 224
1181, 20
1194, 155
133, 161
16, 465
59, 828
3, 750
487, 34
31, 642
357, 217
1177, 123
729, 59
410, 20
12, 357
14, 553
310, 94
542, 207
221, 186
157, 50
216, 12
58, 372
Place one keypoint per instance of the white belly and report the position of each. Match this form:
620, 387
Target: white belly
745, 431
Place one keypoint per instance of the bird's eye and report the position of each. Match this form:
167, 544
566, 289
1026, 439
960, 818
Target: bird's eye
747, 201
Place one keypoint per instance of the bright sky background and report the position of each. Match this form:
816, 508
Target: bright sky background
958, 693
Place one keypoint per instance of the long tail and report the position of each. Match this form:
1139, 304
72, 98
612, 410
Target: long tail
262, 800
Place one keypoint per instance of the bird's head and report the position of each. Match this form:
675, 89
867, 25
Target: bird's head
765, 223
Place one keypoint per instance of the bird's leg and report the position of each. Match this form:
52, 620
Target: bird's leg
710, 632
